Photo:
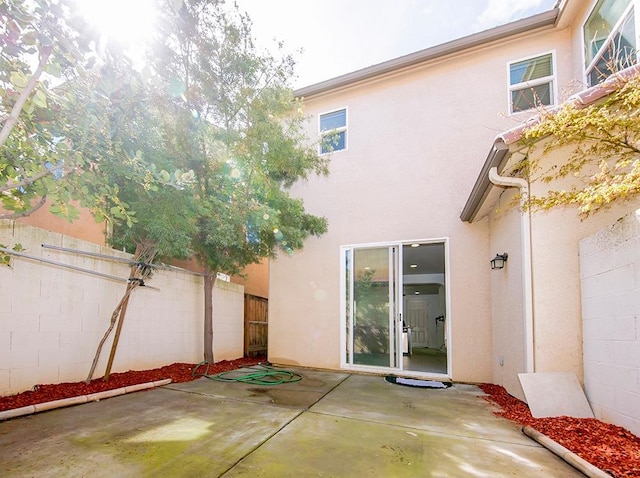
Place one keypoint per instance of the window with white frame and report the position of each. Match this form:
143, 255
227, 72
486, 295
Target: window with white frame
609, 39
531, 83
333, 131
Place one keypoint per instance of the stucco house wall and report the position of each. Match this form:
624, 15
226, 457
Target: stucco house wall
507, 297
557, 314
416, 139
85, 227
555, 237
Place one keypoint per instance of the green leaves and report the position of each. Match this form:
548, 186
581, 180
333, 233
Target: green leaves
5, 258
195, 155
18, 79
603, 144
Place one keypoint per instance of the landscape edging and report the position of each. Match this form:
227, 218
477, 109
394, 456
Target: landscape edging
567, 455
92, 397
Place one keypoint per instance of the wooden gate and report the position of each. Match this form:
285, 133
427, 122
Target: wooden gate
256, 325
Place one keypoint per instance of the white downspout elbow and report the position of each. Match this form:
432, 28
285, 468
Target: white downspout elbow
527, 284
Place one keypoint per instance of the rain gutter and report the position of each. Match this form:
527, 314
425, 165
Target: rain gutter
497, 158
527, 282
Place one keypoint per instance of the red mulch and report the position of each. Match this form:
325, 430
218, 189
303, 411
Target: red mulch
177, 372
611, 448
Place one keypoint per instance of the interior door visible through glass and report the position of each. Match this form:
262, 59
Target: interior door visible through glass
372, 296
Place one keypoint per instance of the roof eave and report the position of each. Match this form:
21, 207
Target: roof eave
541, 20
497, 157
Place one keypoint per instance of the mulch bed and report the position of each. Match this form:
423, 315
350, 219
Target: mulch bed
611, 448
177, 372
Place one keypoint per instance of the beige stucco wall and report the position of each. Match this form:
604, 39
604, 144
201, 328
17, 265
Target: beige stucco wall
555, 237
416, 142
507, 296
85, 227
556, 272
52, 318
255, 279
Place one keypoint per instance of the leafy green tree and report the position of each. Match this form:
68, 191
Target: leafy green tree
58, 113
225, 112
604, 140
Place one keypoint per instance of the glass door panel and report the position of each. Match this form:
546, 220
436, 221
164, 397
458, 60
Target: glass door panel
371, 306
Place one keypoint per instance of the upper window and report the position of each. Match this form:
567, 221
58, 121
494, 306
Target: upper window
333, 131
609, 39
531, 83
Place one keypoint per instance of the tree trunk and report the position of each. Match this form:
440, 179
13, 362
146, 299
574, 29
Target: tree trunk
208, 315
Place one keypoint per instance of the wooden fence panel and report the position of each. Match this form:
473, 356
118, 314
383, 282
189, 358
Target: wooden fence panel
256, 325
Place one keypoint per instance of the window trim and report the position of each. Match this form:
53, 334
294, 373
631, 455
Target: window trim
552, 79
344, 128
633, 5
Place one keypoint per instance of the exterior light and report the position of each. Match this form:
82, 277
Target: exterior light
499, 261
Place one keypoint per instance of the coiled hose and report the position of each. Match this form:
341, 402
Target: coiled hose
260, 374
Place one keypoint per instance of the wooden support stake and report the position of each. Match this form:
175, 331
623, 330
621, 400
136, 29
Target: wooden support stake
131, 285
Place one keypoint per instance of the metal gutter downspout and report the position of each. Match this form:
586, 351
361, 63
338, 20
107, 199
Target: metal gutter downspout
527, 283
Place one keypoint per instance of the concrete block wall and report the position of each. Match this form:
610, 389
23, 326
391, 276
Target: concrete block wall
610, 285
52, 318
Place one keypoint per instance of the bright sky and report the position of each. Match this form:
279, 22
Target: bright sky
335, 36
341, 36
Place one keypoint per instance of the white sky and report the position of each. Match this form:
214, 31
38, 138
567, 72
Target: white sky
341, 36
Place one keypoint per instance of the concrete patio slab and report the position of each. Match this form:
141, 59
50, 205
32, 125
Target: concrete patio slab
329, 424
453, 411
156, 433
322, 445
302, 394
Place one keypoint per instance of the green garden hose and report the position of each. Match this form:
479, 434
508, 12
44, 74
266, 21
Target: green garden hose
257, 375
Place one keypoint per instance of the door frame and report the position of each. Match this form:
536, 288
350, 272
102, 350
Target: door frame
399, 307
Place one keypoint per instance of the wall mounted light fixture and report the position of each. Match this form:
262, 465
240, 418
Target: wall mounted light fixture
499, 261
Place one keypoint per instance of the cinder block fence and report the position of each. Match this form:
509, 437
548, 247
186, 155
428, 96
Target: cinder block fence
52, 318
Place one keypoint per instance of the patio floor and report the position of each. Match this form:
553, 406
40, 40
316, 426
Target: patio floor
328, 424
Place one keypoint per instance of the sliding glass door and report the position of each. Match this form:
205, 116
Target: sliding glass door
395, 307
371, 304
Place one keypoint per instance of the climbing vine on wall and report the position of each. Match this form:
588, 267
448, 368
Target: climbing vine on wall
604, 143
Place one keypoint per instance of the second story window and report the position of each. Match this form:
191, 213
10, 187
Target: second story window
531, 83
609, 39
333, 131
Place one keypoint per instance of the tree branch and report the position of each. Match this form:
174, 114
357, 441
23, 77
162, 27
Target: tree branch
31, 179
18, 215
24, 95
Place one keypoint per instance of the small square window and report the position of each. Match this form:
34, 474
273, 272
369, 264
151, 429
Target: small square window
333, 131
531, 83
